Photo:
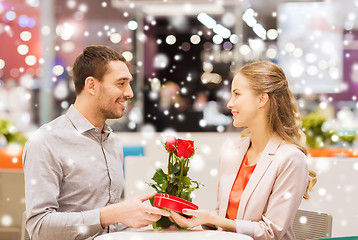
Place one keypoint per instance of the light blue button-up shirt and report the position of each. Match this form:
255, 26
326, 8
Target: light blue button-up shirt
71, 171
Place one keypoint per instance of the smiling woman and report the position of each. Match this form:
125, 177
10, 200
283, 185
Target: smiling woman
264, 175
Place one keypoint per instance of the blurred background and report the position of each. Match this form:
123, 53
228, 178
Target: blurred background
183, 55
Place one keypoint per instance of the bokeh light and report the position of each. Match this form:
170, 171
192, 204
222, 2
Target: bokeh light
30, 60
58, 70
115, 37
272, 34
128, 55
132, 25
10, 15
6, 220
195, 39
25, 36
2, 63
217, 39
171, 39
23, 49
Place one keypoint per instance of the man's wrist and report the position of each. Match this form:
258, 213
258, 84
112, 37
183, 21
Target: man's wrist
106, 216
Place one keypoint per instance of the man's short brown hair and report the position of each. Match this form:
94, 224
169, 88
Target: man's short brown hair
93, 61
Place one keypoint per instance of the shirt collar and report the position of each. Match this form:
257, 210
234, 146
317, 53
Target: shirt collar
81, 123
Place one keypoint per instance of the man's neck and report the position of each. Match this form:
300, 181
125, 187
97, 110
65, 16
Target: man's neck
90, 113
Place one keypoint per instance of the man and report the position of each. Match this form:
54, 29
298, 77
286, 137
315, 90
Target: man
73, 165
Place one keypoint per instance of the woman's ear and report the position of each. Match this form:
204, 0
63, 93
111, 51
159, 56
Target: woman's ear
263, 99
90, 85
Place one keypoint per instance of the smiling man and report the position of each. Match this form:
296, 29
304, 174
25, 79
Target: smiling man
73, 165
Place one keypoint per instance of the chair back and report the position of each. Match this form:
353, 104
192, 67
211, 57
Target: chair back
311, 224
24, 233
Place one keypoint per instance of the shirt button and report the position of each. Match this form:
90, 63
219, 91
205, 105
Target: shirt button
96, 129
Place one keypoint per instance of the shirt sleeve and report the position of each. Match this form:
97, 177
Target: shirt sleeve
43, 177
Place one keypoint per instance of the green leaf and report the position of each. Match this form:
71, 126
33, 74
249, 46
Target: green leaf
186, 195
156, 187
159, 176
174, 180
163, 222
174, 190
185, 170
197, 184
186, 181
175, 168
164, 187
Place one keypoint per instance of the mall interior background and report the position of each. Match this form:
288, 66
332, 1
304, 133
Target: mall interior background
183, 55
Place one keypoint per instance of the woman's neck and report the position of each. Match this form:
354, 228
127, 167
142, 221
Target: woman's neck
259, 139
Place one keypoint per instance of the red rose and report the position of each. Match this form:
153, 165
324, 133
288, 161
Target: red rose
171, 143
185, 148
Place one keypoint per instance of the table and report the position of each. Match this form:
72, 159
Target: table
173, 235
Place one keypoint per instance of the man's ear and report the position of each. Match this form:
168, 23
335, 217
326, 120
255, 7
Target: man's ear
90, 85
263, 99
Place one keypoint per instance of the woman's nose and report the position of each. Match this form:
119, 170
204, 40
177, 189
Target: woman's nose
229, 104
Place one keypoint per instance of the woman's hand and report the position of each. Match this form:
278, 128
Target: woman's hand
199, 217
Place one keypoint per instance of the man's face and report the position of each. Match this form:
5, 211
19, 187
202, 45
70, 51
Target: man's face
114, 90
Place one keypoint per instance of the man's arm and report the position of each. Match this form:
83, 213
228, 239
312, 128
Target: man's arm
43, 181
43, 177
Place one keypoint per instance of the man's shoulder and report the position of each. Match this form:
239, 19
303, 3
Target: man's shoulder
50, 129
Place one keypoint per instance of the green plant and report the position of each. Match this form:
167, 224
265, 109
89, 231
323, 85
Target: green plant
312, 127
317, 138
8, 129
176, 181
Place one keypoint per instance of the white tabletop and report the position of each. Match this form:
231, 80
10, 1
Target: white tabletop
173, 235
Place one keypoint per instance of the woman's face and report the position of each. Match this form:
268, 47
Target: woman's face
244, 102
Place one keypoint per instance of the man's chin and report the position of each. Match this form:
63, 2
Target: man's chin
115, 116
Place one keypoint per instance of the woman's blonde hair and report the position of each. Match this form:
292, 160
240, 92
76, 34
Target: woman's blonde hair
283, 117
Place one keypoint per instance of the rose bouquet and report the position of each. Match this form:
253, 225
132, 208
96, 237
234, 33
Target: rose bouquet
174, 187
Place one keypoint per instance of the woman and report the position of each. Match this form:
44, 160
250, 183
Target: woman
263, 173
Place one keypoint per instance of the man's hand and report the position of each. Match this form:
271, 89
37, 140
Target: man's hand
132, 213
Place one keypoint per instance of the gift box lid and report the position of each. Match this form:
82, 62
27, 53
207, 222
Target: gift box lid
172, 202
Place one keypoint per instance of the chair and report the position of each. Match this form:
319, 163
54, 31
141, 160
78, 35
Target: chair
311, 224
133, 150
24, 233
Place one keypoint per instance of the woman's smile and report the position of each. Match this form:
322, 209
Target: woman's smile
234, 113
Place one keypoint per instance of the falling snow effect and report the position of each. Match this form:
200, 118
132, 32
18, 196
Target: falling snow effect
187, 68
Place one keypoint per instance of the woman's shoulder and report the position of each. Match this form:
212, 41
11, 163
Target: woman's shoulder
288, 148
290, 153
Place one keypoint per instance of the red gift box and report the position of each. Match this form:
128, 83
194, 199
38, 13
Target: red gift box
172, 203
